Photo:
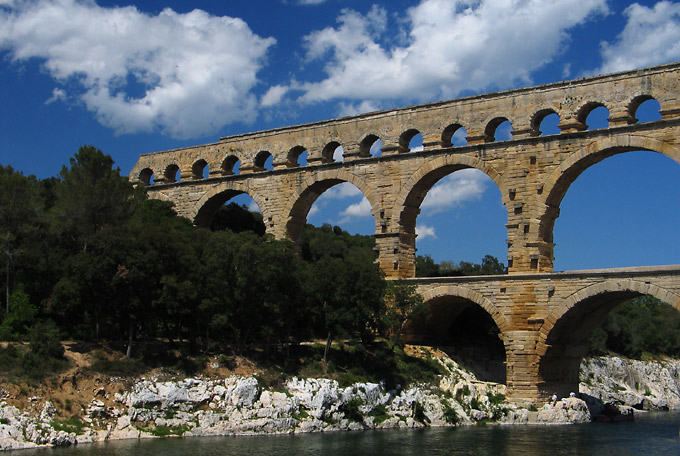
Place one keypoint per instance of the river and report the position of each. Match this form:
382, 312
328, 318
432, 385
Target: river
652, 434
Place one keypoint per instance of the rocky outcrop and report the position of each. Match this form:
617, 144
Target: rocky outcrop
643, 385
154, 407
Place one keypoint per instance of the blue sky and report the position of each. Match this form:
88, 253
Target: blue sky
132, 77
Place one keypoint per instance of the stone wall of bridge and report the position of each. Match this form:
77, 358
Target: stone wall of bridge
532, 172
544, 320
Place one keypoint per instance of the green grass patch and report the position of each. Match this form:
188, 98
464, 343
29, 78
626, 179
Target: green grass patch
73, 424
167, 431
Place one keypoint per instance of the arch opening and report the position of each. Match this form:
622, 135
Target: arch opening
454, 215
621, 209
646, 109
264, 161
172, 174
334, 203
499, 129
454, 135
546, 123
333, 152
411, 141
200, 169
231, 209
594, 116
578, 333
467, 333
231, 166
146, 176
297, 156
370, 146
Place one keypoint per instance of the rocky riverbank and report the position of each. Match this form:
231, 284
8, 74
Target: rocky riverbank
238, 405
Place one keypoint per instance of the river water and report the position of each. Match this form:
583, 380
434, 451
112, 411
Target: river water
652, 434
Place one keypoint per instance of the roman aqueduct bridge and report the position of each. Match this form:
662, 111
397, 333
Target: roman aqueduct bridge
541, 327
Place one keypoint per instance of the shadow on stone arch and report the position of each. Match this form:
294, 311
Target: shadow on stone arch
466, 332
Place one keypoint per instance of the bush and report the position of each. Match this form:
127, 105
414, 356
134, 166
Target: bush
450, 414
352, 411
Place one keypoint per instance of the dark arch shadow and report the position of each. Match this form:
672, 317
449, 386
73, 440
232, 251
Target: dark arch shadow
466, 332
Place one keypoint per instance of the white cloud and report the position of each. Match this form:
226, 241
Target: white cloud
651, 37
183, 74
351, 109
451, 46
360, 209
273, 95
424, 231
343, 190
57, 95
460, 187
310, 2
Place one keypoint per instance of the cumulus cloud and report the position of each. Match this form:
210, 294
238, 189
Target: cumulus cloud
353, 109
360, 209
57, 95
460, 187
449, 46
273, 95
340, 191
651, 37
183, 74
424, 231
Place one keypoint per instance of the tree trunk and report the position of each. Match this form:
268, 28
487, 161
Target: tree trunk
131, 336
329, 340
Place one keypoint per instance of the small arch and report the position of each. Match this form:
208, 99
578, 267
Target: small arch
593, 115
545, 122
146, 176
200, 169
172, 173
370, 146
406, 140
333, 152
231, 166
499, 129
264, 161
297, 156
454, 135
645, 109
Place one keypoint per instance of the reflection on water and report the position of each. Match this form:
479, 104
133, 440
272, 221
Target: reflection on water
651, 434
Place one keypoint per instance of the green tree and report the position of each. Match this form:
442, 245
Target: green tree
349, 293
90, 194
404, 303
21, 208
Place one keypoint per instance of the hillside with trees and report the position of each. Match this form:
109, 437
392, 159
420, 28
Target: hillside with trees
89, 257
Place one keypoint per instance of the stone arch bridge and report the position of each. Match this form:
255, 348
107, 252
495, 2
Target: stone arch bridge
532, 171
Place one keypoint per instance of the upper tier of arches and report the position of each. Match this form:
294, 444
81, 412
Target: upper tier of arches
484, 119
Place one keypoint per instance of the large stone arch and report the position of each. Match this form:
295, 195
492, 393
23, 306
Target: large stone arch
473, 296
202, 211
562, 177
562, 339
461, 323
294, 212
629, 287
413, 191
